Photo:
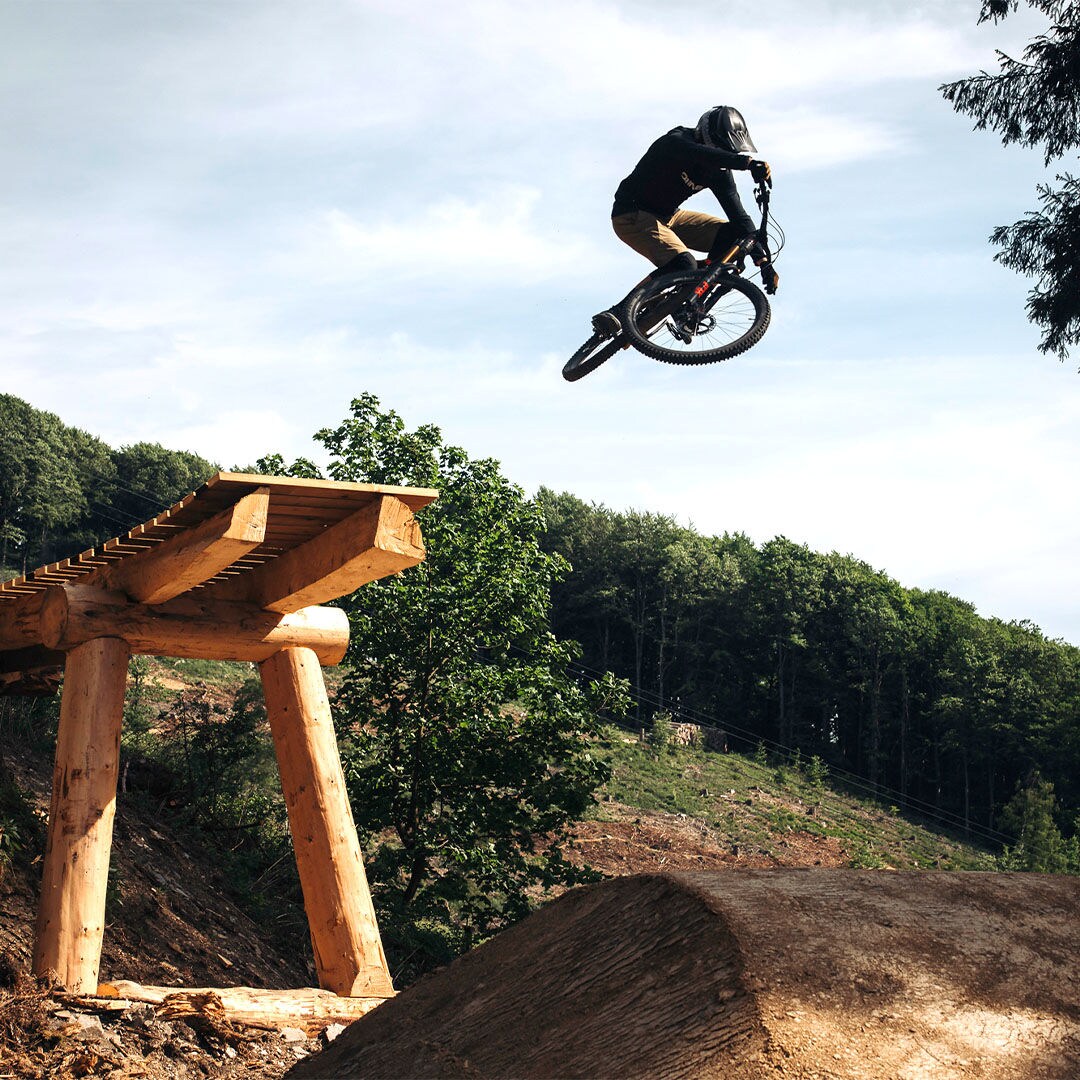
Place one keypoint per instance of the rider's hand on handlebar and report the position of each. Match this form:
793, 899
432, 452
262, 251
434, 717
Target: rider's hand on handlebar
769, 277
761, 172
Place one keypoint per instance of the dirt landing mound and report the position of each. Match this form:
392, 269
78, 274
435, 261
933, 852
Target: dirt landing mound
748, 974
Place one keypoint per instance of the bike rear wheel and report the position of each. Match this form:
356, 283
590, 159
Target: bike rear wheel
591, 355
660, 324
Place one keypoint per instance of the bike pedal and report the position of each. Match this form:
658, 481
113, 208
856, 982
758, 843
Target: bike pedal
680, 333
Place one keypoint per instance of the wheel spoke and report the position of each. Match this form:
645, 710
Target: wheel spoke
661, 325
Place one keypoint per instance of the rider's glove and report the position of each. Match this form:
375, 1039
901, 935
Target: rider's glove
769, 277
761, 172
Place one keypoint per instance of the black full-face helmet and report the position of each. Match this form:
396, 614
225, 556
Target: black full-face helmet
724, 128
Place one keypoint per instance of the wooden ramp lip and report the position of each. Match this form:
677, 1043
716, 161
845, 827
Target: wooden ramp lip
299, 511
414, 497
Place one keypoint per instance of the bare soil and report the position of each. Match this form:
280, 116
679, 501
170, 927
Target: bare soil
171, 923
722, 962
630, 841
805, 974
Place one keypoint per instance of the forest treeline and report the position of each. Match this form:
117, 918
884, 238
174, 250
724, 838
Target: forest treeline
935, 706
911, 689
63, 490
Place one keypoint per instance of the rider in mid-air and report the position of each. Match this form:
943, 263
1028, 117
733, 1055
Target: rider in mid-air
646, 214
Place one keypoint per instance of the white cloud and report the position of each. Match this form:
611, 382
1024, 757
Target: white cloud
215, 214
495, 238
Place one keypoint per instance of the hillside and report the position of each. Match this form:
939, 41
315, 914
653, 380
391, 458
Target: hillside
171, 920
688, 808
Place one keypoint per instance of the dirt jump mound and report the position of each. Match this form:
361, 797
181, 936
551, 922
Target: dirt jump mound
751, 974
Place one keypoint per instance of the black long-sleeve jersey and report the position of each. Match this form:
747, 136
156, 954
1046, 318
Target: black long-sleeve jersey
677, 166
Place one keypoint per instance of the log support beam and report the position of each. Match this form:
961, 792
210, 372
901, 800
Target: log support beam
189, 626
381, 539
345, 937
71, 912
192, 557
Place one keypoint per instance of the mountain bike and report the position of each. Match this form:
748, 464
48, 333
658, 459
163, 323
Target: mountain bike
693, 316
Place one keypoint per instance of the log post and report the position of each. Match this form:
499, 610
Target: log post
344, 933
71, 911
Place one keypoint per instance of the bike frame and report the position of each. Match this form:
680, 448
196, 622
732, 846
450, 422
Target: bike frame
707, 291
732, 261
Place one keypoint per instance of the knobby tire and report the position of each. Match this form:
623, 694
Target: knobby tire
591, 355
666, 295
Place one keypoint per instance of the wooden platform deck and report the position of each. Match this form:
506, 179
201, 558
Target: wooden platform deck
299, 510
241, 569
276, 544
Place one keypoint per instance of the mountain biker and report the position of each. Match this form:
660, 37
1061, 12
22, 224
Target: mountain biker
646, 214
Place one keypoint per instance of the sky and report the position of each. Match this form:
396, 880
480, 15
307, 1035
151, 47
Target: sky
222, 221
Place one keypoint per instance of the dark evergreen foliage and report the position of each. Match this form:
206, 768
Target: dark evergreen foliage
1035, 102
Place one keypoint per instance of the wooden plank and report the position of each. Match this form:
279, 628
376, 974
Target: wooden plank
174, 566
308, 1009
123, 545
379, 540
414, 497
344, 933
195, 626
332, 513
71, 911
300, 509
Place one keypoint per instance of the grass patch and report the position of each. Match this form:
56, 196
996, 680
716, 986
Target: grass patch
753, 801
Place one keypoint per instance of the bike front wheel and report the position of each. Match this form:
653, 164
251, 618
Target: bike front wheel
591, 355
733, 316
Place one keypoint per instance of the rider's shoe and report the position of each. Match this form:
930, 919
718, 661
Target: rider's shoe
606, 323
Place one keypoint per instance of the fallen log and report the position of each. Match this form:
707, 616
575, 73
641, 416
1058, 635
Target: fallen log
308, 1009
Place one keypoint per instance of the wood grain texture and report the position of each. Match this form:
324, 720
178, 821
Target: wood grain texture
20, 621
344, 933
308, 1009
190, 626
381, 539
71, 912
167, 569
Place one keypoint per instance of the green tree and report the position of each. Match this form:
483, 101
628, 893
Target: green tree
584, 602
465, 743
1035, 102
788, 594
150, 478
39, 487
1029, 816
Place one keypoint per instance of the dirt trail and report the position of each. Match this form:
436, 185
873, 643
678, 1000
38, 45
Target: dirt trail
752, 973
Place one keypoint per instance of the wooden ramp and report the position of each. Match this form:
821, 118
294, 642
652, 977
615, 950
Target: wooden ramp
278, 543
740, 975
238, 570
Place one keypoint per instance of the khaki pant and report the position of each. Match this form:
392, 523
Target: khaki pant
660, 241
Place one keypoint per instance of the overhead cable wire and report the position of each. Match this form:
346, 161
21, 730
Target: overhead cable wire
852, 779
